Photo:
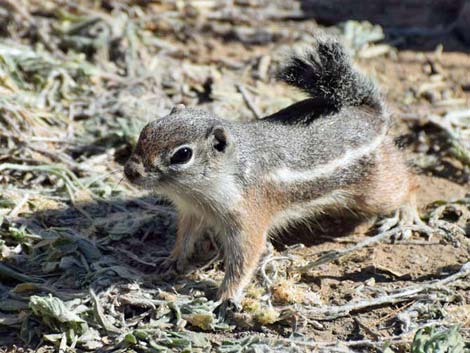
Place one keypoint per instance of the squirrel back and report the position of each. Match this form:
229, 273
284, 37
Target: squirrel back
326, 74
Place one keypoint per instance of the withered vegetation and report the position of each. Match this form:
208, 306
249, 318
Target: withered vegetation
79, 245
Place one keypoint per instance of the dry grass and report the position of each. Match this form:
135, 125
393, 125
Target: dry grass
78, 245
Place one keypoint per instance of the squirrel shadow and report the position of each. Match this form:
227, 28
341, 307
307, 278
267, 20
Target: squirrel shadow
99, 243
321, 229
114, 246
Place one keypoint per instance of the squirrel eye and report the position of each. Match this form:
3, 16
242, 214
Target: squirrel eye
183, 155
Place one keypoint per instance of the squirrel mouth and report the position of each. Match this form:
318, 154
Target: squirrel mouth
137, 175
135, 172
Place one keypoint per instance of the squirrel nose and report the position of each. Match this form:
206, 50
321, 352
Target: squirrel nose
133, 169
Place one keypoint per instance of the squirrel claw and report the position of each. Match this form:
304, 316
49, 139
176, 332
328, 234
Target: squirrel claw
403, 223
166, 268
226, 308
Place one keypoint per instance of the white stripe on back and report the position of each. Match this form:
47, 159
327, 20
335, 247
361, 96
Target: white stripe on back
287, 175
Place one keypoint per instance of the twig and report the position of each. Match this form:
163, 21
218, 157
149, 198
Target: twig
406, 294
266, 262
337, 345
132, 256
366, 328
100, 315
336, 254
249, 102
14, 212
8, 272
137, 301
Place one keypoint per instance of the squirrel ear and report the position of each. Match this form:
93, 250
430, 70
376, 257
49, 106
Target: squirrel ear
220, 138
177, 108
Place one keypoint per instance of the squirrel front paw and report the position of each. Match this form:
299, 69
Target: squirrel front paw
226, 308
167, 268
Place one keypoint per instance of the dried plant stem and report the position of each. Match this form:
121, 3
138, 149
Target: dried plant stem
249, 101
404, 294
98, 310
336, 254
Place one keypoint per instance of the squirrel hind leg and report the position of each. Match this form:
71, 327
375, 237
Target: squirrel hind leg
391, 190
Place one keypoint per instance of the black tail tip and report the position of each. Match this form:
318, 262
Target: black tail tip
326, 71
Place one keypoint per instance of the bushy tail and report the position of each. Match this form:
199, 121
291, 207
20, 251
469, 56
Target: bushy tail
326, 72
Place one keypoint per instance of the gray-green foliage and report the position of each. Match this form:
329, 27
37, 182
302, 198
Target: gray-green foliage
78, 246
432, 340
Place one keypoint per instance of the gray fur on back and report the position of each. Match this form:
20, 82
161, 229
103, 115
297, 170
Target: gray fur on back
265, 146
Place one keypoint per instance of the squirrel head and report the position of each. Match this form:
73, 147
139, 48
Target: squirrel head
181, 154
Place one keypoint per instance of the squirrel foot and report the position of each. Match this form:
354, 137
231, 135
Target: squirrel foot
404, 222
167, 268
226, 308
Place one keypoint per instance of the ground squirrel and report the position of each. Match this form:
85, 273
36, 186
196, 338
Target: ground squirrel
243, 181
